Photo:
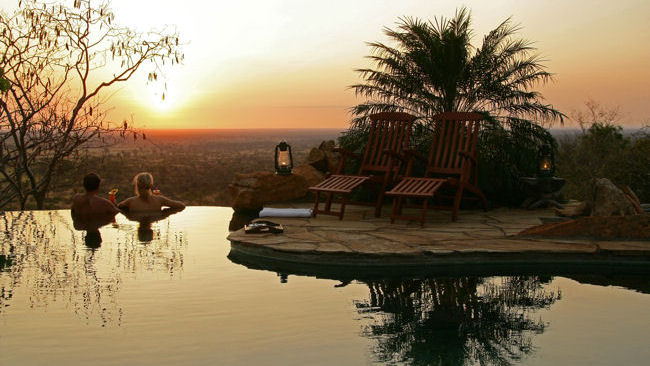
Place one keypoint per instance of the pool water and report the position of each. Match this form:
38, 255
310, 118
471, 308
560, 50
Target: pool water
169, 292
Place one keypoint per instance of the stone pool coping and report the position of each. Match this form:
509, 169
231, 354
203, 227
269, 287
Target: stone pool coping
476, 238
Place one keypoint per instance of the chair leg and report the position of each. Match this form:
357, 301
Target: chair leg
483, 200
380, 201
393, 212
343, 202
315, 210
424, 211
459, 195
480, 195
328, 202
400, 201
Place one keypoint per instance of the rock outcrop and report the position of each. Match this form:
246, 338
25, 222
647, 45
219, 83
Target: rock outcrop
635, 227
609, 200
249, 192
324, 158
615, 213
311, 174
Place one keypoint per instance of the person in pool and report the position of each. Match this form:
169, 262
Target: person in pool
88, 203
144, 199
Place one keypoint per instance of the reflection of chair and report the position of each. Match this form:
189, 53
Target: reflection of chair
452, 162
388, 138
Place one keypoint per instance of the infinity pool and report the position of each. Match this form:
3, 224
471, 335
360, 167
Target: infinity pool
169, 292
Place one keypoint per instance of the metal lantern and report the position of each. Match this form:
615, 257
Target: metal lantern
546, 161
283, 159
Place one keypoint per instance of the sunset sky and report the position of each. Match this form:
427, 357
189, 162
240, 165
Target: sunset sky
272, 63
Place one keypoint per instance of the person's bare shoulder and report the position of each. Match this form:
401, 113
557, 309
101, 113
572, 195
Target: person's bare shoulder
105, 206
77, 198
79, 201
125, 203
178, 205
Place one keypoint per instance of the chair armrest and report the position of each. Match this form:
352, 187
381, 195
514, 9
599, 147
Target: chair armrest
395, 154
347, 153
410, 153
466, 155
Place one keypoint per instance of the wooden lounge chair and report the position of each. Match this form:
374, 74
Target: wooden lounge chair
452, 163
380, 164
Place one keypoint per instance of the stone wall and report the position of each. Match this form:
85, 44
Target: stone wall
249, 192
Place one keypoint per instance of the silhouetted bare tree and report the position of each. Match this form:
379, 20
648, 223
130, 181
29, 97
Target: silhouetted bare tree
58, 64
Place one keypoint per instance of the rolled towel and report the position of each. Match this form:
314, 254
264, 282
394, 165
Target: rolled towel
285, 212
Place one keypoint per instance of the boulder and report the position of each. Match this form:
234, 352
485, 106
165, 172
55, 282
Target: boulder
311, 174
327, 145
249, 192
324, 158
333, 161
318, 159
609, 200
574, 209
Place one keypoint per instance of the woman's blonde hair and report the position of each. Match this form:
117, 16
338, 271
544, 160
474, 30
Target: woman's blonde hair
143, 183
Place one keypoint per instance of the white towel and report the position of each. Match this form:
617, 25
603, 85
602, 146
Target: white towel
285, 212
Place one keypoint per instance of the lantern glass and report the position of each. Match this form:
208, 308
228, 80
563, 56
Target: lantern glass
283, 159
545, 165
546, 161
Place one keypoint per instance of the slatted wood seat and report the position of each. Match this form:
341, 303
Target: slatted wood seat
380, 164
452, 163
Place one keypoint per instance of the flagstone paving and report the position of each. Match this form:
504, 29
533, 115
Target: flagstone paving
476, 237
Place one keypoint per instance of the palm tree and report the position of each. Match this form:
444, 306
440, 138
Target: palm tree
434, 68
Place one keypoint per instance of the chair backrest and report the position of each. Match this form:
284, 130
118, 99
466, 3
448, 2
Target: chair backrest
454, 133
388, 131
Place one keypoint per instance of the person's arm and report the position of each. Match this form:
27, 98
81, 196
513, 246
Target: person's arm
111, 208
124, 205
177, 205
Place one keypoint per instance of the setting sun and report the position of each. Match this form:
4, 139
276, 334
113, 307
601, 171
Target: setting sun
160, 101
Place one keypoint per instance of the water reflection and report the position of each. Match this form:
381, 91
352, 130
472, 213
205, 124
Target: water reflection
145, 221
5, 293
455, 321
91, 224
422, 317
51, 267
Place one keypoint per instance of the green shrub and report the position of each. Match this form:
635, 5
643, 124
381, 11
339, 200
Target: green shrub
507, 154
602, 151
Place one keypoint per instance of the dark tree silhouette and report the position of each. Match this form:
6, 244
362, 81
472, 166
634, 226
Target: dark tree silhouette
58, 64
433, 68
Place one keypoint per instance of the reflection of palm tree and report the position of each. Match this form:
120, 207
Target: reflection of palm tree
455, 321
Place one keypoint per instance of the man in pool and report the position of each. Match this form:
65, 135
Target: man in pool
89, 204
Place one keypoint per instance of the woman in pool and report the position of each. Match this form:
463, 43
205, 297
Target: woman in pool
144, 199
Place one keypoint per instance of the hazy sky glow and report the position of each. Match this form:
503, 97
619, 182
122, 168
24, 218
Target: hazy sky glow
273, 63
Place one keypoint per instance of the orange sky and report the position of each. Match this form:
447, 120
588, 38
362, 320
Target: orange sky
272, 63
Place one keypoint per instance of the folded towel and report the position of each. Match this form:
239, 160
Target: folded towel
285, 212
